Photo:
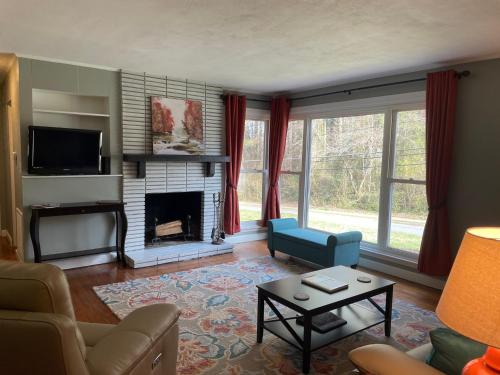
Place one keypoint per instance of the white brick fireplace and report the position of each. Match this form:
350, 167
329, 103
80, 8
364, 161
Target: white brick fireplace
167, 176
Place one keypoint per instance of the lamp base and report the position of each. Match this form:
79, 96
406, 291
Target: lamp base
488, 364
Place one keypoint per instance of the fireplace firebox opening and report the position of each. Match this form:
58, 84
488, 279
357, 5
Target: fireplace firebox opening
173, 217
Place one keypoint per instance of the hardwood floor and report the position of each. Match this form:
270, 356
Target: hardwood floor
89, 308
7, 252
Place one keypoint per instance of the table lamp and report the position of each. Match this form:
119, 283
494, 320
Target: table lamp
470, 303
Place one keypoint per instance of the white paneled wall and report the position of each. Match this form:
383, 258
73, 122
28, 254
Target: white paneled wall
163, 177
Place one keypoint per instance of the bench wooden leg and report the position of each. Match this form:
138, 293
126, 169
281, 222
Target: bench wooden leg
271, 252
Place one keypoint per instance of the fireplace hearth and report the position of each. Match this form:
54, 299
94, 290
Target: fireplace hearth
172, 218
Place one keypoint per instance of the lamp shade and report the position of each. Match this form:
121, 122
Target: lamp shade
470, 303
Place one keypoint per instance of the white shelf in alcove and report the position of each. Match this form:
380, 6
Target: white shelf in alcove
38, 110
71, 176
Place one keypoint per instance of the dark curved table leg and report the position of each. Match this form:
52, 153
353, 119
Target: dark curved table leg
35, 236
117, 236
123, 233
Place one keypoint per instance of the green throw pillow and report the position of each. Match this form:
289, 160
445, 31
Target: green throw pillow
452, 351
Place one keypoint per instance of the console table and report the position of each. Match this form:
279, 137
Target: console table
82, 208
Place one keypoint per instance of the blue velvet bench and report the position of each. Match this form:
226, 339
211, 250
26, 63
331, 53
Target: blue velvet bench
324, 249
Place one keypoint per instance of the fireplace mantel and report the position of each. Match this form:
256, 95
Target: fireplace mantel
208, 160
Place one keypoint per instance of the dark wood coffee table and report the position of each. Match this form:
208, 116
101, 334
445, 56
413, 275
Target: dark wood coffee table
341, 303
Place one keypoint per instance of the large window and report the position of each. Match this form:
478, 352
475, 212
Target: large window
251, 182
346, 156
347, 167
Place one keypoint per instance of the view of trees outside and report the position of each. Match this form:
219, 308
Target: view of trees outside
409, 203
345, 175
291, 170
251, 175
346, 157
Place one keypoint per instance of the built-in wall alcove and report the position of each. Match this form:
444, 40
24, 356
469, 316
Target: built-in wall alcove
70, 110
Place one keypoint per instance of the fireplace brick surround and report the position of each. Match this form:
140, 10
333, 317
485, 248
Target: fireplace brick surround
165, 177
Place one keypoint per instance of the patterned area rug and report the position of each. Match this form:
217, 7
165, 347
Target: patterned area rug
218, 321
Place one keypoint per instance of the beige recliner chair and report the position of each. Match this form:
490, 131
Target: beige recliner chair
380, 359
39, 334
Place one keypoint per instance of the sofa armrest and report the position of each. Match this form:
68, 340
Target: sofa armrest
130, 342
346, 237
379, 359
345, 248
275, 225
282, 224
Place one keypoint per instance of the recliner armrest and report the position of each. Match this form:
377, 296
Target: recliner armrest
379, 359
39, 343
151, 320
129, 342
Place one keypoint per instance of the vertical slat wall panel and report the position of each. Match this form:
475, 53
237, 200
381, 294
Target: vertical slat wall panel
133, 112
156, 177
137, 89
154, 86
134, 195
176, 177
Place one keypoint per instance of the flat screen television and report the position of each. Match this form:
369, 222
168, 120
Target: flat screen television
59, 151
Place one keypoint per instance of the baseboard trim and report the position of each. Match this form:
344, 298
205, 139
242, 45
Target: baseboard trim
83, 261
246, 237
402, 273
6, 234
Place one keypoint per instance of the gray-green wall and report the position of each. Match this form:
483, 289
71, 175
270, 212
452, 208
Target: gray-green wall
475, 177
71, 233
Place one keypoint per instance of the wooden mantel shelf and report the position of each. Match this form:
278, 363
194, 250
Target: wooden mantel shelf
208, 160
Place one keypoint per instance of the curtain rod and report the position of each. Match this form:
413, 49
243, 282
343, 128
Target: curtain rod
459, 75
251, 99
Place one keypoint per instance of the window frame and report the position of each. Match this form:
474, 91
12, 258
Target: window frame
301, 174
390, 181
388, 105
348, 113
253, 114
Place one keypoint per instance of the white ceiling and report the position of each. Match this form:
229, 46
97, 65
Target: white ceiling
255, 45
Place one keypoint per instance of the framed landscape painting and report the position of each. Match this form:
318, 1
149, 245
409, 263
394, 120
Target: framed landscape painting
177, 126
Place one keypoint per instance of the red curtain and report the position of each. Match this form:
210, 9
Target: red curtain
235, 132
280, 110
435, 253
